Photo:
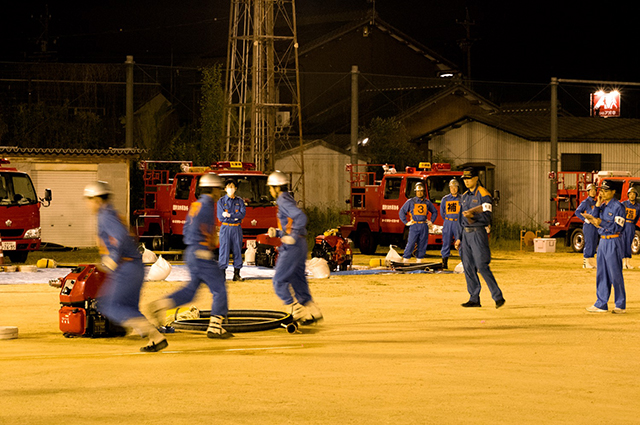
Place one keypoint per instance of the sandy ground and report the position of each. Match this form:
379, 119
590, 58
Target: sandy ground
392, 349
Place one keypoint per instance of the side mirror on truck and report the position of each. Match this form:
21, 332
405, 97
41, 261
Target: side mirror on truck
46, 201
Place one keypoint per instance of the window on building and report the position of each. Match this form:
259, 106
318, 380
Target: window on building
581, 162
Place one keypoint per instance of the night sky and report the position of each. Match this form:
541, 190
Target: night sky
514, 41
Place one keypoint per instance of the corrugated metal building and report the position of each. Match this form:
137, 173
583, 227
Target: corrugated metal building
519, 148
68, 221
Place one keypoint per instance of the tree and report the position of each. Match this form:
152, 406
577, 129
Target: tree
389, 144
211, 114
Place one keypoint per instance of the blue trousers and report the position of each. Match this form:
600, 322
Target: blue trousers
628, 232
418, 234
609, 273
591, 238
230, 242
448, 235
119, 297
209, 273
476, 257
290, 273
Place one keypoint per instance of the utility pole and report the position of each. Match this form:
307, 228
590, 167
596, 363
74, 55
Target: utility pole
129, 102
263, 86
553, 150
354, 114
466, 43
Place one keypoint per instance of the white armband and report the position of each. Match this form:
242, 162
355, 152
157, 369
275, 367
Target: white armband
487, 207
619, 220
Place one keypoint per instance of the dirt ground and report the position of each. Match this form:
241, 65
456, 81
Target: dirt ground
394, 349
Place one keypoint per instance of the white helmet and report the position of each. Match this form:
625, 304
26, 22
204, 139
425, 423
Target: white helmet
98, 188
211, 180
277, 178
419, 186
454, 182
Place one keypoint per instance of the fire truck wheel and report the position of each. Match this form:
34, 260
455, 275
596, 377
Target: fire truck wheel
635, 245
367, 242
577, 240
17, 256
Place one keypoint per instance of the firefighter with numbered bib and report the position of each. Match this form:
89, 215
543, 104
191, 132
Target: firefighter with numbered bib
449, 210
200, 235
476, 208
231, 211
609, 217
632, 208
119, 297
419, 225
290, 281
589, 231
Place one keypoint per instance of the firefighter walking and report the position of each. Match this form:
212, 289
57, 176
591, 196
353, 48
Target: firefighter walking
476, 207
231, 211
609, 217
449, 210
119, 297
632, 213
201, 238
417, 209
290, 280
589, 231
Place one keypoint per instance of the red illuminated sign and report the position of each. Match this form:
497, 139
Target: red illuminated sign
605, 104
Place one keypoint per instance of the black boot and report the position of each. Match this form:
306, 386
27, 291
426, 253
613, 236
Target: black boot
445, 262
236, 275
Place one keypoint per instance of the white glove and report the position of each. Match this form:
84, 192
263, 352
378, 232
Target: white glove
288, 239
410, 222
271, 232
226, 214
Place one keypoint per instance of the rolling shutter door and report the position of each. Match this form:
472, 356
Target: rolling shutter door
68, 220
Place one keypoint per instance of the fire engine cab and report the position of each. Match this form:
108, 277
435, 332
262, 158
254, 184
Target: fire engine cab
19, 213
374, 205
572, 190
168, 195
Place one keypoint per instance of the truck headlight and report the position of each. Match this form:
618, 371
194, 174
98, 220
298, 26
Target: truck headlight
33, 233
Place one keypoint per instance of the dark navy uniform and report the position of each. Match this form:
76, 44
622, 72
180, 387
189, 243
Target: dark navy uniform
450, 210
417, 208
291, 262
231, 230
589, 231
474, 244
201, 238
119, 297
632, 213
609, 259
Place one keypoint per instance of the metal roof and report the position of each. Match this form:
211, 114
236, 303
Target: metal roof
120, 152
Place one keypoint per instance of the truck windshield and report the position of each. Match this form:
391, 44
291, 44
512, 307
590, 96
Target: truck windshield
16, 189
438, 186
252, 189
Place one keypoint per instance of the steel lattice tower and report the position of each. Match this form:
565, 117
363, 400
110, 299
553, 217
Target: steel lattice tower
262, 83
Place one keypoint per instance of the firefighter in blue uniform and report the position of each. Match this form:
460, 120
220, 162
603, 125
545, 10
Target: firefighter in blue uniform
200, 235
449, 210
231, 211
417, 208
290, 281
589, 231
119, 296
632, 208
609, 217
476, 208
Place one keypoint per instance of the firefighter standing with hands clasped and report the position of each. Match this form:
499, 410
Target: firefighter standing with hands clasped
632, 208
449, 210
231, 210
417, 208
119, 297
201, 238
589, 231
609, 217
290, 279
476, 207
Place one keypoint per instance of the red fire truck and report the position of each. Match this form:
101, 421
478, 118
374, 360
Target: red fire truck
572, 190
168, 195
19, 213
374, 204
